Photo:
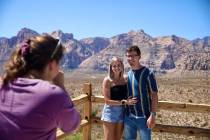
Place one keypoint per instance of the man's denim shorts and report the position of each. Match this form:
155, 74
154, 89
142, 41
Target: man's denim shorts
113, 113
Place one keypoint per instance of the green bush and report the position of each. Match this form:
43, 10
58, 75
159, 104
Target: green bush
76, 136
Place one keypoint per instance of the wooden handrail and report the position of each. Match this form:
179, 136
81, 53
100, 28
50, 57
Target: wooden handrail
80, 99
185, 130
173, 106
184, 107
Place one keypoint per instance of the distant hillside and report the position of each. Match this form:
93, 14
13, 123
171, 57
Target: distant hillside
89, 54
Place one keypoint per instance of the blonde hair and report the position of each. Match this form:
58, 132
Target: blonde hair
110, 72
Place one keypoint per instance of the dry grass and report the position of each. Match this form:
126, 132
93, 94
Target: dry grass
185, 90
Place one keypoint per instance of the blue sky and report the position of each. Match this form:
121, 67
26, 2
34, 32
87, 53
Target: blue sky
90, 18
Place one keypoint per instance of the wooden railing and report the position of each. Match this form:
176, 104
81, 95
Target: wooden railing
87, 120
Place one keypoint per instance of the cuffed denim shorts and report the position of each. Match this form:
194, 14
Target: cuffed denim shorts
113, 113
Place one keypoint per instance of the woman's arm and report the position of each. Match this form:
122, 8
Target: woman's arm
68, 118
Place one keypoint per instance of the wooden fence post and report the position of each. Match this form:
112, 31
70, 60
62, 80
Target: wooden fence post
87, 89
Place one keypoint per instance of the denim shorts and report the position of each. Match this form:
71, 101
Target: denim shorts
113, 113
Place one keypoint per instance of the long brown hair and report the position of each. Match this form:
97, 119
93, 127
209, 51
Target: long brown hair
111, 73
33, 54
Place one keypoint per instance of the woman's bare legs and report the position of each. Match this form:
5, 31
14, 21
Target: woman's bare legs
109, 131
113, 131
119, 131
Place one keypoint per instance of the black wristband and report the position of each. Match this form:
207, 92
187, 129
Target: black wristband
153, 114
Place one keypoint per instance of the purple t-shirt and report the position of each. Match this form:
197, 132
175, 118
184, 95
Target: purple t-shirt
33, 109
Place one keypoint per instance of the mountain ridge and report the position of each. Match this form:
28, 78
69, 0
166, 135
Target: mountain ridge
94, 53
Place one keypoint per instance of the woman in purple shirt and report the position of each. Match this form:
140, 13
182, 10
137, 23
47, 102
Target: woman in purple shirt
33, 99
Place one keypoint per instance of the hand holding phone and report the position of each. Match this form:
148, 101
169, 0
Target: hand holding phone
59, 79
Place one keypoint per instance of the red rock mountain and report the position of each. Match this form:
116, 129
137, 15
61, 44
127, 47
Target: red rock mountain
90, 54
